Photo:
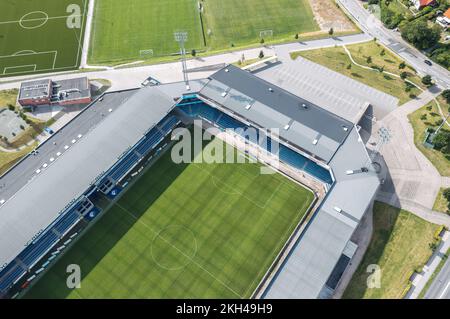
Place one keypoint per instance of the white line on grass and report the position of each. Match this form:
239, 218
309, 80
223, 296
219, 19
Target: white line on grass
176, 248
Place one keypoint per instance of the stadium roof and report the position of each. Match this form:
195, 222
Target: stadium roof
316, 253
298, 121
36, 205
331, 90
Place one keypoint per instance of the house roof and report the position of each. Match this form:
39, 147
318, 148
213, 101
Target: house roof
424, 3
447, 13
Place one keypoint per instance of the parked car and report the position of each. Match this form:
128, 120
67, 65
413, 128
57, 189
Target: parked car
428, 62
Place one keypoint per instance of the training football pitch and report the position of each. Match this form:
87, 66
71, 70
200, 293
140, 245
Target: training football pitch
39, 36
141, 29
193, 230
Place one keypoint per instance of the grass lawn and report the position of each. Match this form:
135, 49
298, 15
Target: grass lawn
28, 31
399, 245
440, 161
440, 204
8, 159
336, 59
122, 29
8, 97
184, 231
240, 22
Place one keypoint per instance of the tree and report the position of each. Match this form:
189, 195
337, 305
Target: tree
403, 75
441, 140
402, 65
427, 80
446, 95
331, 31
261, 54
296, 36
446, 194
383, 52
420, 34
262, 41
369, 60
193, 52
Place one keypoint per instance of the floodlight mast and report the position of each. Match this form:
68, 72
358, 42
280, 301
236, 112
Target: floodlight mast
181, 38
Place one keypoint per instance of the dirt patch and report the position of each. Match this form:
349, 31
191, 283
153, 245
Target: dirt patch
328, 15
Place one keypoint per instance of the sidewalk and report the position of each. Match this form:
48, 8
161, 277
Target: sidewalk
420, 280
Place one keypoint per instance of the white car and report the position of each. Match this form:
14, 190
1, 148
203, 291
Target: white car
79, 135
52, 159
45, 165
38, 171
66, 147
58, 154
2, 202
73, 141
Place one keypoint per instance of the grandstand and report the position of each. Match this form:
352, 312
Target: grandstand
42, 219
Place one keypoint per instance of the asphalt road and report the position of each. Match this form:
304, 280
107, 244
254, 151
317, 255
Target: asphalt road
440, 288
393, 40
24, 171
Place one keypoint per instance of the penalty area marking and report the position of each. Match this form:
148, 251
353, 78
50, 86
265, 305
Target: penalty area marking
25, 53
20, 66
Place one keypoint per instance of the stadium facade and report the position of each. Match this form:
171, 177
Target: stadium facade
44, 215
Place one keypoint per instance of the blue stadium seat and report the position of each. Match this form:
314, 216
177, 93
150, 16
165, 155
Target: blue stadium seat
34, 251
66, 222
226, 121
10, 274
124, 166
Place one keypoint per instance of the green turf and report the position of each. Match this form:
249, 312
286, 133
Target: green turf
240, 22
29, 42
123, 28
184, 230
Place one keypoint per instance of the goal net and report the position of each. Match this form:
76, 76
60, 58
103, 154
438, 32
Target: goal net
266, 34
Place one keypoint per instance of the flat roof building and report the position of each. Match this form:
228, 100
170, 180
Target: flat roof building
61, 92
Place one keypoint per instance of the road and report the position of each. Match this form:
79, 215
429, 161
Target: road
393, 40
440, 288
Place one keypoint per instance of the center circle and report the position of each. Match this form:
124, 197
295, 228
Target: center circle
33, 20
174, 247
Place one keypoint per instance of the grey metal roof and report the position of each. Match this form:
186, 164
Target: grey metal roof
75, 88
40, 201
314, 256
35, 89
330, 90
305, 125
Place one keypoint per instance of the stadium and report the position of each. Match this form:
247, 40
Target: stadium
121, 136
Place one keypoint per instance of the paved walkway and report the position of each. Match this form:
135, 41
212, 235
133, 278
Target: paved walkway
420, 280
412, 181
126, 78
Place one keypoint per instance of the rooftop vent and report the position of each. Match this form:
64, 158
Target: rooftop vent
349, 172
226, 70
339, 210
345, 128
224, 94
286, 127
270, 90
248, 106
315, 141
304, 106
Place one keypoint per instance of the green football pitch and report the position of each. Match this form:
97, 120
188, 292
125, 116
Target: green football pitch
141, 29
40, 36
184, 231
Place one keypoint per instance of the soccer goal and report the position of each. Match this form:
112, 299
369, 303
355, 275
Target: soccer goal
266, 34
